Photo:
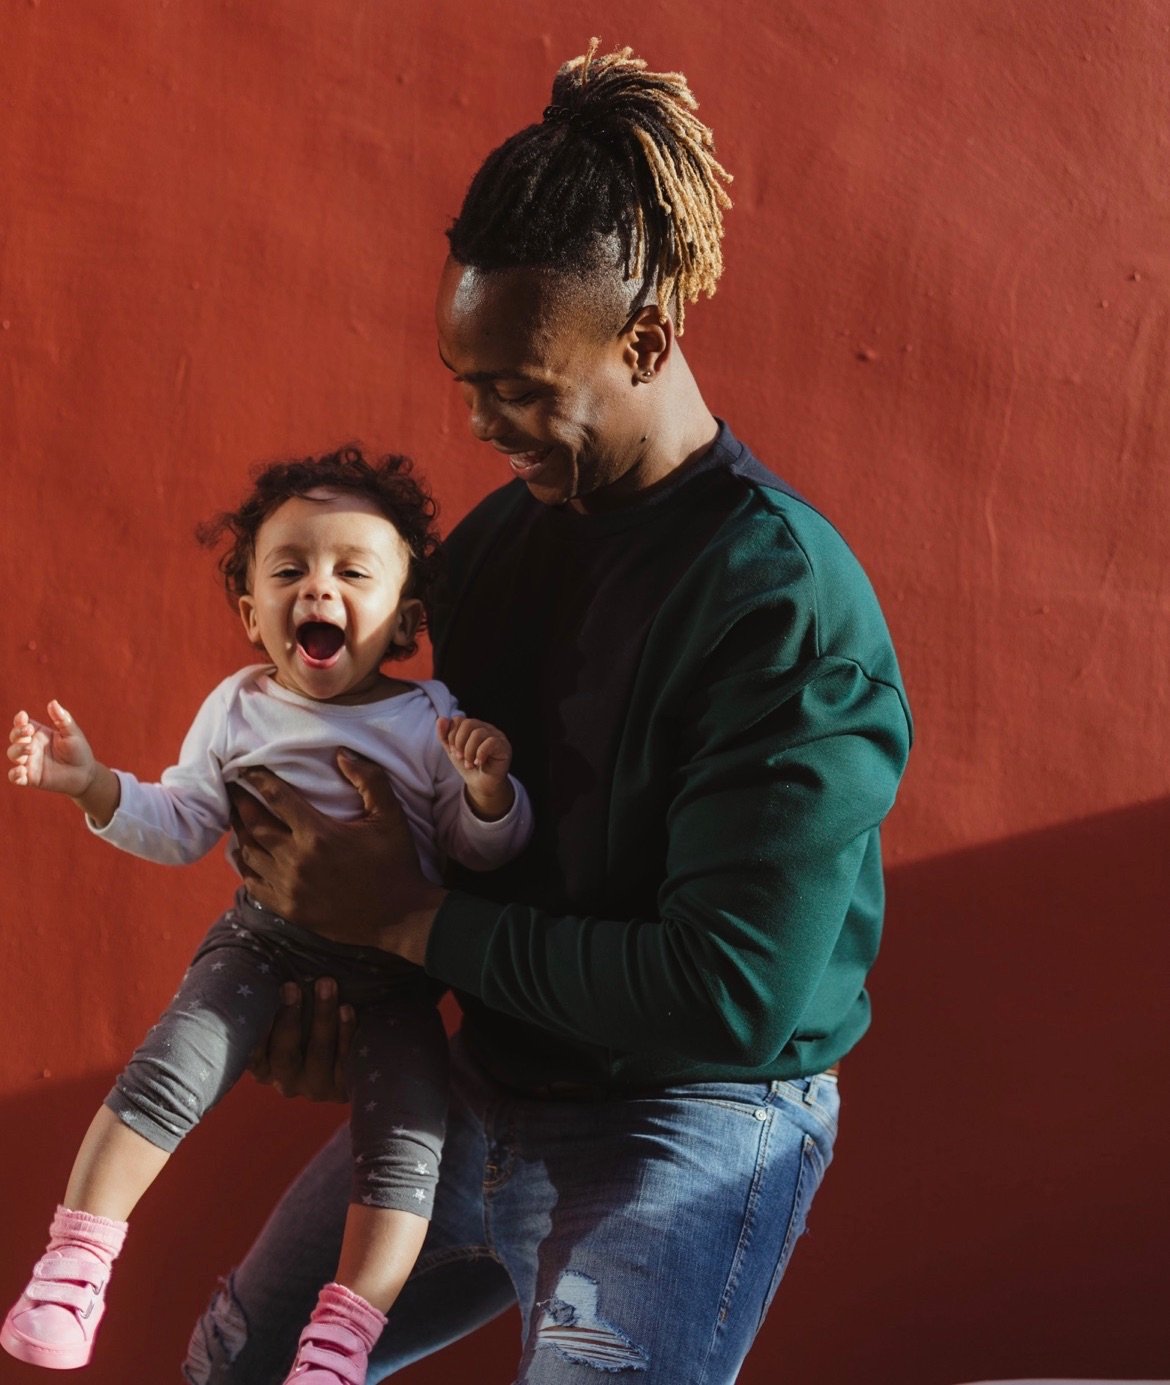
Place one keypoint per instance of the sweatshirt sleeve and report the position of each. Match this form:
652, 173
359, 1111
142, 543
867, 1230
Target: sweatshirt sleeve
786, 768
179, 819
477, 844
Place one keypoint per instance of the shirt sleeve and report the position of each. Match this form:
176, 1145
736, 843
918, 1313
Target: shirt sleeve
462, 836
787, 773
179, 819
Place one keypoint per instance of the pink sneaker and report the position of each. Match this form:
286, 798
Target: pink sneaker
329, 1354
53, 1322
335, 1347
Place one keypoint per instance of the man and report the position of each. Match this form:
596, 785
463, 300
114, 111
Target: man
708, 715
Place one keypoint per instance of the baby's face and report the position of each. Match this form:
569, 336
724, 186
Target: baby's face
326, 601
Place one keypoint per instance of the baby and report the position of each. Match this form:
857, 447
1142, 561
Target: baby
330, 564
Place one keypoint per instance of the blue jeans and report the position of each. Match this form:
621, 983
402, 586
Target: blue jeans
643, 1234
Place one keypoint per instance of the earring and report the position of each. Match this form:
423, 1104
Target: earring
646, 375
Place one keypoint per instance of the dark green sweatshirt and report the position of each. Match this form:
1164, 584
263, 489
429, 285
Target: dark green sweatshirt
706, 709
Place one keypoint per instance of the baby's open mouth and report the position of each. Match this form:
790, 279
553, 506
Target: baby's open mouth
319, 642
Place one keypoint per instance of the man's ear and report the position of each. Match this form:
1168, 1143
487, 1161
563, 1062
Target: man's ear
247, 609
410, 614
648, 338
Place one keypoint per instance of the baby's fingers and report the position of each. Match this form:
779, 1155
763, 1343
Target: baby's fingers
458, 729
473, 746
22, 727
60, 718
457, 732
20, 740
492, 751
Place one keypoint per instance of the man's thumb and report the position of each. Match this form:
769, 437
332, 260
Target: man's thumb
371, 781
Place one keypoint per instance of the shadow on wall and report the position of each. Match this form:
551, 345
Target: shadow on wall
998, 1204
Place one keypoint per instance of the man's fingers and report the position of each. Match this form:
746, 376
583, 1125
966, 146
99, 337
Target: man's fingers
321, 1050
259, 1066
257, 831
248, 856
284, 1041
248, 811
315, 1069
265, 789
371, 781
346, 1024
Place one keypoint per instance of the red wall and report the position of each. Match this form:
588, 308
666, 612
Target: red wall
945, 317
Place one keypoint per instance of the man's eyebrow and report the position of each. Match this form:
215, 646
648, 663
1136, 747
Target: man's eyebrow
482, 377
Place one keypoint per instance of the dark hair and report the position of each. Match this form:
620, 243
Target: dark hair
620, 153
388, 482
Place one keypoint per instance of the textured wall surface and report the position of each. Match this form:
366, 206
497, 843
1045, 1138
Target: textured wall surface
945, 317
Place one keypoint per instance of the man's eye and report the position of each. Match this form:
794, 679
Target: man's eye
517, 398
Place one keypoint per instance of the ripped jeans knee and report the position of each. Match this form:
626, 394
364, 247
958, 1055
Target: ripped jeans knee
219, 1337
572, 1326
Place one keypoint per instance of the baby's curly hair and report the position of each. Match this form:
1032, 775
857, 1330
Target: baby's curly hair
388, 482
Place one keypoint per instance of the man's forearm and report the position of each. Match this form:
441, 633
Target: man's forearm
409, 935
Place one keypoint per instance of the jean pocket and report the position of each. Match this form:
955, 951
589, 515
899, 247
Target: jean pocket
817, 1097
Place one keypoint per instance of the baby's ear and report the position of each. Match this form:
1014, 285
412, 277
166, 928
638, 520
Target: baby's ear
251, 625
406, 626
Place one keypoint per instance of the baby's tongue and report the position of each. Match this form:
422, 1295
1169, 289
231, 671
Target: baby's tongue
319, 640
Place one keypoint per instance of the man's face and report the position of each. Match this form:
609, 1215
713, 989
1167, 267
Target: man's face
552, 389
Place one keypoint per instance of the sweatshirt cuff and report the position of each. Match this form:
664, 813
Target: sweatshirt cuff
460, 937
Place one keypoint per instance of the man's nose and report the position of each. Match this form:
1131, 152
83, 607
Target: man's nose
485, 420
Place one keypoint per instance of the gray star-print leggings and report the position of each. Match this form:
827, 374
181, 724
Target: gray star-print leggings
397, 1067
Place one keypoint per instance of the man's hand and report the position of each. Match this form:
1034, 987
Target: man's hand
312, 1067
355, 882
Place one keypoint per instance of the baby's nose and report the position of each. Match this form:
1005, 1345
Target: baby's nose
318, 587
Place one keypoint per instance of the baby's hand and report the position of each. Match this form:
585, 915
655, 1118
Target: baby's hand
482, 754
55, 757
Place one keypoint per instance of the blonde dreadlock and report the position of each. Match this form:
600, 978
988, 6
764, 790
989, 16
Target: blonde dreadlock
620, 152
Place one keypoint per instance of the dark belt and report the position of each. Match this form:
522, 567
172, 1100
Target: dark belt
598, 1091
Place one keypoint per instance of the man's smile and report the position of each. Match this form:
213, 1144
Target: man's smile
527, 463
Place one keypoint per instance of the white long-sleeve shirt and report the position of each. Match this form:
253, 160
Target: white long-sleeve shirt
251, 720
